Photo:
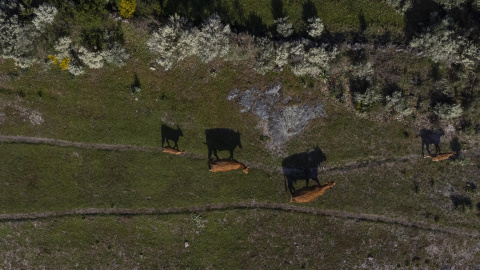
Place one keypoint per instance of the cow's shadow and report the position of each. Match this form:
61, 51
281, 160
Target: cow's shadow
302, 166
431, 137
171, 134
220, 139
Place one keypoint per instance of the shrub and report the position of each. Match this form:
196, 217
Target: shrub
176, 40
127, 8
64, 63
212, 40
44, 14
17, 40
266, 52
366, 100
115, 54
398, 103
448, 111
171, 42
315, 27
401, 6
444, 44
363, 71
91, 59
63, 47
312, 63
284, 28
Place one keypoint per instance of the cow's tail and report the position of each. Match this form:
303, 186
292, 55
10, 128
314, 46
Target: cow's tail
285, 178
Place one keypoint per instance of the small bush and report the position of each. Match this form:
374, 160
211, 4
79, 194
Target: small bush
17, 40
283, 27
399, 104
212, 40
444, 44
315, 27
127, 8
448, 111
44, 14
365, 101
400, 6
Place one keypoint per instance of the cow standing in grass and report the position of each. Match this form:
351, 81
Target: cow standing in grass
170, 134
219, 139
431, 137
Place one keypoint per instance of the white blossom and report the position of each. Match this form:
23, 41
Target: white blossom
91, 59
315, 27
284, 28
44, 14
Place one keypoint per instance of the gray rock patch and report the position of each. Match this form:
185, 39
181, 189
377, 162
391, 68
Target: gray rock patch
278, 121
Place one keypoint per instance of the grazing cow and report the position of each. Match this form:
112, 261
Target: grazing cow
168, 149
302, 166
308, 194
431, 137
225, 165
169, 133
440, 157
219, 139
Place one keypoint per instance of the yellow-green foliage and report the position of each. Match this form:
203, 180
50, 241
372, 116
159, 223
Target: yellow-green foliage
53, 58
127, 7
63, 63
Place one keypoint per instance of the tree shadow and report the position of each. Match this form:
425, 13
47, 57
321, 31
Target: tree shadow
277, 9
460, 202
302, 166
456, 146
254, 24
219, 139
417, 18
309, 10
171, 134
362, 21
431, 137
136, 85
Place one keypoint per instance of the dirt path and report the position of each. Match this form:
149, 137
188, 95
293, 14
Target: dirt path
353, 166
244, 206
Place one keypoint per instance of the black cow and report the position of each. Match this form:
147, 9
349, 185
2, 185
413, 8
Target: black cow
431, 137
169, 133
302, 166
219, 139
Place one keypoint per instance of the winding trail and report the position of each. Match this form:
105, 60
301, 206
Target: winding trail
226, 206
350, 167
242, 206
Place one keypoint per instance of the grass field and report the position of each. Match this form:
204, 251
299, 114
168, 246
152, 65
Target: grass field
374, 159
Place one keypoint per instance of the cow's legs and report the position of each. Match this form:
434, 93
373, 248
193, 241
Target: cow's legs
231, 154
437, 149
209, 154
163, 141
428, 149
176, 145
215, 153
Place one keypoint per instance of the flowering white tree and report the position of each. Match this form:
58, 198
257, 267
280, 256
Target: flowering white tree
284, 28
170, 42
177, 40
443, 44
212, 40
315, 27
44, 14
17, 40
